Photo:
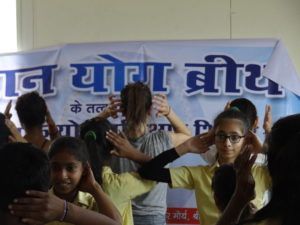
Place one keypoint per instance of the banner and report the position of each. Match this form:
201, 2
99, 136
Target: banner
198, 77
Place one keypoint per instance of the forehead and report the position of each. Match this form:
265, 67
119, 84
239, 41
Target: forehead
230, 126
64, 157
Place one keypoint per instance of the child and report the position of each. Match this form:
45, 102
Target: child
32, 112
121, 188
71, 175
136, 104
230, 131
23, 168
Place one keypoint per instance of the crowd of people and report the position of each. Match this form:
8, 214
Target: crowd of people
104, 176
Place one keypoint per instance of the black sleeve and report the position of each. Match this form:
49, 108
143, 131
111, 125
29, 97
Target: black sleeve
154, 169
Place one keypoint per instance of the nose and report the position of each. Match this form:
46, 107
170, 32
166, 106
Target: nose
61, 174
227, 142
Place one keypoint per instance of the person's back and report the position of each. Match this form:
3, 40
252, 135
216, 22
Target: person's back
22, 167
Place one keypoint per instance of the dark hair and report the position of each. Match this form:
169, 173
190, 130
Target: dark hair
284, 165
246, 107
223, 184
93, 132
4, 131
72, 145
232, 113
136, 102
22, 167
31, 109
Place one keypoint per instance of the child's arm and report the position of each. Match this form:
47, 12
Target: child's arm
244, 191
181, 132
42, 207
52, 128
124, 149
154, 169
105, 205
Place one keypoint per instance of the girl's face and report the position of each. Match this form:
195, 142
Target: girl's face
66, 172
229, 140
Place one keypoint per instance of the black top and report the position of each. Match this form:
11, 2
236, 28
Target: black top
154, 169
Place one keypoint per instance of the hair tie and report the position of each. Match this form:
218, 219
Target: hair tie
234, 108
90, 134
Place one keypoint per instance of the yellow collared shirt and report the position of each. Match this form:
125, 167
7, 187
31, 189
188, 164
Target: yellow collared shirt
199, 178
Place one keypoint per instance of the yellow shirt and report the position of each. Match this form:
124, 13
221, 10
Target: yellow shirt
121, 188
84, 200
199, 178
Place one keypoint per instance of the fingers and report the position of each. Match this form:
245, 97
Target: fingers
32, 221
7, 110
115, 153
114, 138
227, 106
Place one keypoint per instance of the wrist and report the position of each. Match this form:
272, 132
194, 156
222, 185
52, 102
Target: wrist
65, 211
169, 111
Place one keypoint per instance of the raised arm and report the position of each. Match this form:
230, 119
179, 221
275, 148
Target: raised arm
105, 205
244, 190
52, 128
124, 149
42, 207
154, 169
181, 132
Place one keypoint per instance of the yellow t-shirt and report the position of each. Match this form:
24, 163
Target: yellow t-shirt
121, 188
83, 200
199, 178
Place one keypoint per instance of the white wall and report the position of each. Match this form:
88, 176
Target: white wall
50, 22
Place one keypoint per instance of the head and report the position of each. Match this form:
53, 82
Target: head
249, 109
68, 160
231, 127
4, 131
136, 102
22, 167
31, 109
284, 165
93, 132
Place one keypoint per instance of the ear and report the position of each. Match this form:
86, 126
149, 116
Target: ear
85, 168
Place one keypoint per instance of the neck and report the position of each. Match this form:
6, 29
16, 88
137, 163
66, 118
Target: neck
136, 132
70, 197
222, 161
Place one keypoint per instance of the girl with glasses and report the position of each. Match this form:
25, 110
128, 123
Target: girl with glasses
230, 137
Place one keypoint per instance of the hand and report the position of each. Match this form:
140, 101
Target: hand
161, 105
112, 108
227, 106
7, 113
88, 182
267, 119
197, 144
38, 206
123, 148
253, 141
245, 184
53, 130
15, 134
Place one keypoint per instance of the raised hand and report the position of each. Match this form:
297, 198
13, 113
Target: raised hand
161, 105
245, 184
15, 134
7, 113
267, 119
253, 141
124, 149
88, 182
112, 109
197, 144
227, 106
53, 130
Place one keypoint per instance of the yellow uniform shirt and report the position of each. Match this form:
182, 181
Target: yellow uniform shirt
121, 188
199, 178
84, 200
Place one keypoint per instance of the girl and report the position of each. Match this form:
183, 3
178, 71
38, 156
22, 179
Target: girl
72, 178
121, 188
283, 166
136, 103
230, 131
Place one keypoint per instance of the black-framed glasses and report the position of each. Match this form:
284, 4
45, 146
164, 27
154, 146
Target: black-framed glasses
233, 138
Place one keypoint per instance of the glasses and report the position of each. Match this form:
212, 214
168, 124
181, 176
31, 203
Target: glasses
233, 138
